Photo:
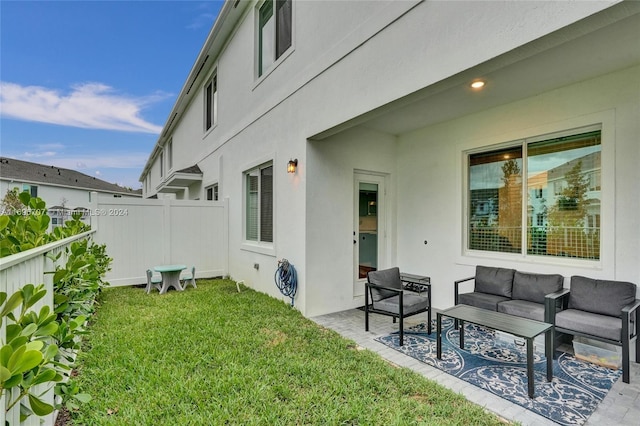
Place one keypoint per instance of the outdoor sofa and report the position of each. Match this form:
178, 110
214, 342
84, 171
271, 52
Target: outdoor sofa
601, 310
509, 291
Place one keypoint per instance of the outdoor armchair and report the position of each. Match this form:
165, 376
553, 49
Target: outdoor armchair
600, 310
385, 295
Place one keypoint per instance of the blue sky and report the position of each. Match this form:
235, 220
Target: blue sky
88, 85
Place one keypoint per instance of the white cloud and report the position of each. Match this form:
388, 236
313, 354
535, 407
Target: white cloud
202, 20
205, 17
98, 173
45, 146
39, 154
89, 105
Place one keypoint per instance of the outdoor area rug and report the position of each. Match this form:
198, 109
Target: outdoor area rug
500, 367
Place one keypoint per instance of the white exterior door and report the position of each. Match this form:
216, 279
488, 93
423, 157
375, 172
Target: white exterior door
369, 230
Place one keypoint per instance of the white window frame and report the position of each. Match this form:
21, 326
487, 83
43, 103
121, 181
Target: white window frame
215, 189
210, 106
263, 247
169, 149
263, 69
606, 120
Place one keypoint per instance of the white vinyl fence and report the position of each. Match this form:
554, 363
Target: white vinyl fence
143, 233
32, 267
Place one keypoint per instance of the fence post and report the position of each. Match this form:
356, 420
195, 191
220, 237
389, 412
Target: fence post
225, 233
93, 212
166, 230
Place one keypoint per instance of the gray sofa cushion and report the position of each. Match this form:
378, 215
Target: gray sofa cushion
481, 300
387, 278
600, 296
498, 281
604, 326
523, 308
534, 287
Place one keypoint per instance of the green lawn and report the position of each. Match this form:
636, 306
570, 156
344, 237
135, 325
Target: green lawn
212, 355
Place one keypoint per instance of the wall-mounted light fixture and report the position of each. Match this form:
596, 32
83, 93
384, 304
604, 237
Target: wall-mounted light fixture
292, 165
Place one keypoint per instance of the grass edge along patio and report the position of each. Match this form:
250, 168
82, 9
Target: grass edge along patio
212, 355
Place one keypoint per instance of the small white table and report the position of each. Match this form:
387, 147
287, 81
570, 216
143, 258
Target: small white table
170, 276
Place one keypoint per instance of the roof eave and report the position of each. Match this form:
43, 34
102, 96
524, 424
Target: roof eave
222, 21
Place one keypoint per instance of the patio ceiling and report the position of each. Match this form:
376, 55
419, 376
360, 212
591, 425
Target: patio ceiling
598, 45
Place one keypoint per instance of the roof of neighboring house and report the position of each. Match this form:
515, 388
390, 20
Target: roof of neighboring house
57, 176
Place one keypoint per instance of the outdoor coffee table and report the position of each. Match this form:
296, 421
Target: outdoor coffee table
170, 276
521, 327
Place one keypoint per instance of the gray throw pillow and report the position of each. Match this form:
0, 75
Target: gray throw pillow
600, 296
498, 281
534, 287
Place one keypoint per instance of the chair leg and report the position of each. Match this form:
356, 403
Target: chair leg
401, 316
366, 309
625, 359
429, 310
626, 333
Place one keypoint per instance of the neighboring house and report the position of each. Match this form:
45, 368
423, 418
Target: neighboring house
64, 191
398, 159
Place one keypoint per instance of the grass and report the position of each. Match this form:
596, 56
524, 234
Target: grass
212, 355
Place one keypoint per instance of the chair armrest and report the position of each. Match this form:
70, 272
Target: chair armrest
415, 283
456, 285
463, 280
381, 287
629, 314
558, 294
632, 307
551, 303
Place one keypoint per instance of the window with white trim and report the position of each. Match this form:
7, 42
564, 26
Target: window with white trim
161, 164
211, 103
212, 192
259, 203
537, 197
274, 32
170, 154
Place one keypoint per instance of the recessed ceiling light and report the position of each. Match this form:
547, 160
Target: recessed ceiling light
477, 84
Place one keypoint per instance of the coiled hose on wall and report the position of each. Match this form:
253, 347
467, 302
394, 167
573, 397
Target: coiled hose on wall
286, 279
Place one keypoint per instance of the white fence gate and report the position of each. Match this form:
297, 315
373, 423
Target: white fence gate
143, 233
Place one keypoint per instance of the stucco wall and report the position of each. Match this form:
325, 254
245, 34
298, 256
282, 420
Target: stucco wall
330, 213
351, 57
364, 55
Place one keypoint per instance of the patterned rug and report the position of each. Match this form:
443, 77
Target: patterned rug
501, 368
